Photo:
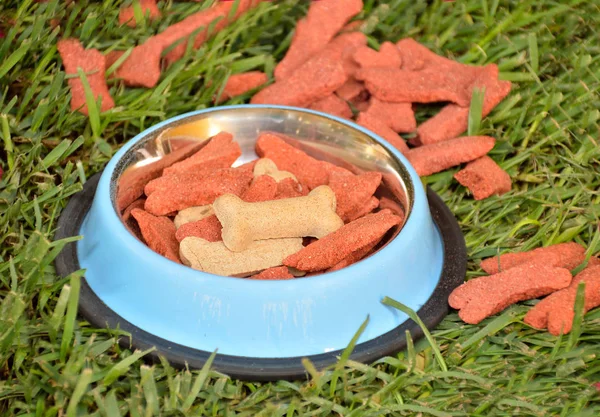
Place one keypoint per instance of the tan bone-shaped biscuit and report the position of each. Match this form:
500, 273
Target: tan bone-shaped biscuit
192, 214
265, 166
215, 258
312, 215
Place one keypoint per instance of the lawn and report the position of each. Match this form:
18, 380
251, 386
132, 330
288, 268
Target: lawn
54, 364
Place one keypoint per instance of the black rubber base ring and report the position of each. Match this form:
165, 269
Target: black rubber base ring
100, 315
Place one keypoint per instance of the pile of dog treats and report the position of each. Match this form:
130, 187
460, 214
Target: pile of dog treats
329, 67
284, 215
515, 277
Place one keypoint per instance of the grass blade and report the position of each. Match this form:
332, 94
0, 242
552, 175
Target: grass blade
410, 313
199, 382
533, 52
90, 101
82, 384
476, 111
15, 57
67, 337
346, 355
122, 367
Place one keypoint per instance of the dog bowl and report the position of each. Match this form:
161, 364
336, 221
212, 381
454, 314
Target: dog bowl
263, 329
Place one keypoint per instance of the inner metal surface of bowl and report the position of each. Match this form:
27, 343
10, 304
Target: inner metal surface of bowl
321, 136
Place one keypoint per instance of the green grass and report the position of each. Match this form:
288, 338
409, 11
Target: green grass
54, 364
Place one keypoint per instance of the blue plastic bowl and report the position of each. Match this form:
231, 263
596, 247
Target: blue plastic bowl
262, 329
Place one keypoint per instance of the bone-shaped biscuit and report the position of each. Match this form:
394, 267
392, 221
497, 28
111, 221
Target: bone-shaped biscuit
265, 166
215, 258
312, 215
192, 214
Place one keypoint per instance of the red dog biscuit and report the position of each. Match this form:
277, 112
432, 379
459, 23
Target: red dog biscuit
93, 64
371, 204
389, 204
379, 127
196, 175
238, 84
220, 152
142, 66
323, 20
565, 255
333, 248
316, 79
557, 311
351, 90
309, 171
208, 228
263, 188
483, 297
219, 13
342, 48
330, 162
130, 223
399, 117
132, 183
334, 105
484, 178
137, 204
416, 57
198, 193
168, 181
425, 86
288, 188
387, 56
149, 8
354, 257
277, 272
440, 156
453, 120
352, 191
159, 234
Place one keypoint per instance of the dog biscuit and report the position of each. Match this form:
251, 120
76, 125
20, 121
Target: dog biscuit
453, 120
334, 248
334, 105
192, 214
186, 194
215, 258
312, 215
91, 62
158, 232
208, 228
557, 311
565, 255
315, 31
265, 166
484, 178
262, 188
279, 272
149, 9
485, 296
440, 156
